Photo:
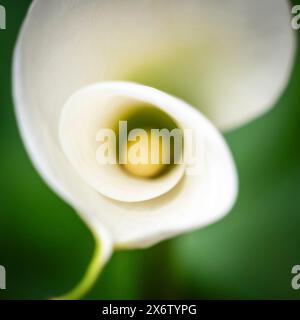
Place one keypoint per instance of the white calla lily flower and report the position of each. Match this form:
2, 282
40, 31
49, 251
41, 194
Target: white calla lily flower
77, 64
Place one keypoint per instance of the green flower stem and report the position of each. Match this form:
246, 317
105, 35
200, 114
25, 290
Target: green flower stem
92, 273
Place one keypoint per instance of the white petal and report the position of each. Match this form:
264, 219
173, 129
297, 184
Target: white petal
231, 59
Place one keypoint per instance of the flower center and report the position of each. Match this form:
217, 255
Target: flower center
104, 123
148, 168
150, 140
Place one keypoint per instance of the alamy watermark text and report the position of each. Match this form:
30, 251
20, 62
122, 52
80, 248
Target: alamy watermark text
2, 18
2, 278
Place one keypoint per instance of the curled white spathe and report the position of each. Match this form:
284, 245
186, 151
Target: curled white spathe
92, 108
228, 61
192, 201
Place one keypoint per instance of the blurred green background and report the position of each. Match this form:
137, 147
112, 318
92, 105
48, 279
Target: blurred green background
45, 247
